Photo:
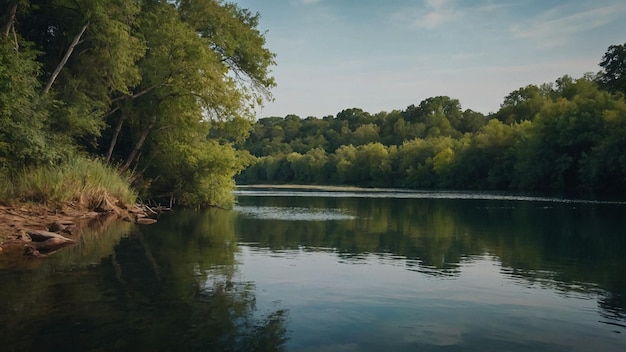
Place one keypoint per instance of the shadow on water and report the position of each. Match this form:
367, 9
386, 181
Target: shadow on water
139, 288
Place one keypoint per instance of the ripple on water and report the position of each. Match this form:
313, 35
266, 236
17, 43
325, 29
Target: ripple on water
412, 194
293, 213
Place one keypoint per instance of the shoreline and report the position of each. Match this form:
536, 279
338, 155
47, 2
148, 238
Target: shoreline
323, 187
19, 219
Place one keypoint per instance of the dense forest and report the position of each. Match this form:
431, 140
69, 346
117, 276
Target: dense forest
566, 136
127, 98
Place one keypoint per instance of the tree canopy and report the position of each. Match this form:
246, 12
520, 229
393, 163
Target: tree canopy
160, 89
613, 74
565, 136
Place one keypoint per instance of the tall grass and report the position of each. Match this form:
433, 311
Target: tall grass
78, 181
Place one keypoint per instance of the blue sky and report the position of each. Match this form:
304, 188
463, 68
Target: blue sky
388, 54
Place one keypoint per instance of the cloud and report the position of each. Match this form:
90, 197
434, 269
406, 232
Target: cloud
306, 2
550, 30
438, 13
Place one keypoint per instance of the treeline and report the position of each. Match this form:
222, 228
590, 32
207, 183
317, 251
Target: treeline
569, 135
157, 90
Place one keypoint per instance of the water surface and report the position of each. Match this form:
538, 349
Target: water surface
335, 271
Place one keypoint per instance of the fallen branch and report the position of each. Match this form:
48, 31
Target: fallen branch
41, 235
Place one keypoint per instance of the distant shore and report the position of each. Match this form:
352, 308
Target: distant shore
323, 188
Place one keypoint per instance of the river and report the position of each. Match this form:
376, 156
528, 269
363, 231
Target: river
334, 270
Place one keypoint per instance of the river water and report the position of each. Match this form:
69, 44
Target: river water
341, 270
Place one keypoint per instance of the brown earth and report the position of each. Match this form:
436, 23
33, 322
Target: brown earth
15, 221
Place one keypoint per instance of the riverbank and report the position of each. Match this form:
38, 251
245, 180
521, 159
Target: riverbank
17, 220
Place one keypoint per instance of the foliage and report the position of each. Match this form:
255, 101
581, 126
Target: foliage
77, 181
158, 89
564, 136
22, 111
613, 75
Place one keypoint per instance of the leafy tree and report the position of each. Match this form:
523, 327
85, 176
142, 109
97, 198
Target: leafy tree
471, 121
197, 69
160, 89
83, 85
603, 168
494, 160
372, 165
522, 104
613, 74
364, 134
292, 126
23, 116
563, 133
353, 118
233, 35
345, 161
416, 160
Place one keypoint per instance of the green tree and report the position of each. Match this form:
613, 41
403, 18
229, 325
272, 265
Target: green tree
23, 114
416, 161
493, 150
603, 168
353, 118
194, 71
471, 121
613, 74
372, 166
88, 55
345, 161
522, 104
364, 134
564, 132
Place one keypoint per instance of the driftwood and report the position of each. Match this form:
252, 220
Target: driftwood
41, 235
51, 244
144, 221
44, 243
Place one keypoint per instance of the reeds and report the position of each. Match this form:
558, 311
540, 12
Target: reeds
78, 182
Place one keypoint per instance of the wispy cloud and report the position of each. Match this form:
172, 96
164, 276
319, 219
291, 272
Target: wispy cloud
431, 15
549, 30
439, 13
305, 2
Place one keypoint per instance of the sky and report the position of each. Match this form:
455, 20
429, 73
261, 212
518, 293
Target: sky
384, 55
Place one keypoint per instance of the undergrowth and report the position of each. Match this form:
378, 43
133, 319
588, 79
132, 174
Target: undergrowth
78, 182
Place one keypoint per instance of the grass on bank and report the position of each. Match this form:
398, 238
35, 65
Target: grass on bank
77, 182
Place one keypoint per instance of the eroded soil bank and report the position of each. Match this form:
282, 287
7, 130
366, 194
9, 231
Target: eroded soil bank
26, 228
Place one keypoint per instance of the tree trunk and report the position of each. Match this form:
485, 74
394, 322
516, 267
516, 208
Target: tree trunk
137, 175
64, 60
118, 129
138, 145
6, 27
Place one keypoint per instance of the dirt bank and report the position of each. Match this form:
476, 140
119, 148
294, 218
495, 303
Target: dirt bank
17, 220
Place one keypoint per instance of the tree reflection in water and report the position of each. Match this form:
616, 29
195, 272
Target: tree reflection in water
177, 285
155, 291
567, 246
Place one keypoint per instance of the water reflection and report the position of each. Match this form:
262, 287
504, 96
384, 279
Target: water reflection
312, 273
167, 287
565, 246
354, 192
293, 213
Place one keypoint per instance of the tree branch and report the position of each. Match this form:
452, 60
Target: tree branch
143, 169
136, 95
138, 145
65, 58
6, 27
118, 128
